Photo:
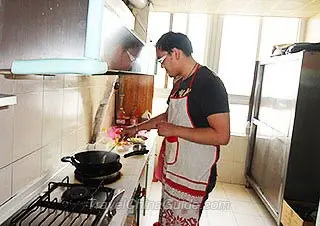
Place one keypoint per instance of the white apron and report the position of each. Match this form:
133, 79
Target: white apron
186, 169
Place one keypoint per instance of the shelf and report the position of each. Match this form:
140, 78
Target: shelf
7, 100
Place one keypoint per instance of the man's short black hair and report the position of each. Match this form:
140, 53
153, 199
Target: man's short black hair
171, 40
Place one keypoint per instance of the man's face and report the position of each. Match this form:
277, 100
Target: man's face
168, 61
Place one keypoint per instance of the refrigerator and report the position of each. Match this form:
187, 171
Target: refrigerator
284, 140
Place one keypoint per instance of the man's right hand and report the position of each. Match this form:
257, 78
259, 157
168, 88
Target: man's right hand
129, 131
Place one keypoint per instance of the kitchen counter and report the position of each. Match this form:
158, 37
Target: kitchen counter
131, 173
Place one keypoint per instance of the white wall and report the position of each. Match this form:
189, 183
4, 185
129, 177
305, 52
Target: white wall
313, 30
53, 118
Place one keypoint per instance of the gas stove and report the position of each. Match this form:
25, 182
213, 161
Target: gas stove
65, 203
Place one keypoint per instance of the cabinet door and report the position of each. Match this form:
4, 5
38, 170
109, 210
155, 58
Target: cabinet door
278, 94
135, 91
268, 161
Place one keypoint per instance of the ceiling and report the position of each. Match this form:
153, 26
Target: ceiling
285, 8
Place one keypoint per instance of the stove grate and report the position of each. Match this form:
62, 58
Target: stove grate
53, 208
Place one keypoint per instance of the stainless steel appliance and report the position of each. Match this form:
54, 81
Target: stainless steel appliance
283, 157
66, 203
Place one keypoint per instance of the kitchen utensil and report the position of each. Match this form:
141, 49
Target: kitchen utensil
94, 162
140, 152
139, 147
111, 149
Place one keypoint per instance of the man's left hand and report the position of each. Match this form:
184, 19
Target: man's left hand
166, 129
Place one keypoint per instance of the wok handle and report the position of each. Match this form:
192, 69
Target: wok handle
70, 159
66, 159
136, 153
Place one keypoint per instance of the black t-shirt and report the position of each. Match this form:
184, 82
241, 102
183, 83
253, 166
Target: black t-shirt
207, 96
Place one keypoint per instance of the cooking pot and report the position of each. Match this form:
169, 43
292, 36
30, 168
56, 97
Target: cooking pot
95, 162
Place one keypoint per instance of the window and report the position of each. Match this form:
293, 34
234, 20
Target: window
238, 49
194, 25
179, 23
238, 52
275, 31
158, 25
244, 39
197, 34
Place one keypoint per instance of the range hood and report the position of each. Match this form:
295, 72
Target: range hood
69, 37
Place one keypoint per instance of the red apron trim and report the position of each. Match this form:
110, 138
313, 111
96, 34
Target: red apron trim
184, 200
176, 86
194, 75
182, 177
172, 139
185, 189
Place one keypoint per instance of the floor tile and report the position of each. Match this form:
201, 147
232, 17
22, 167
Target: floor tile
220, 218
269, 221
248, 208
238, 194
248, 220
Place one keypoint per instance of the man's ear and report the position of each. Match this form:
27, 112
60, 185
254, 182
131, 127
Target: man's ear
177, 53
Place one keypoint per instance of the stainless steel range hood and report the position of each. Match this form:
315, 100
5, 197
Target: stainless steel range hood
70, 37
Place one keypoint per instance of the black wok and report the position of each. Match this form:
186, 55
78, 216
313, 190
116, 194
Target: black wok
95, 162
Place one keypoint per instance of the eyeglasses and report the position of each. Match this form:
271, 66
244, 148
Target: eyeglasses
131, 57
162, 59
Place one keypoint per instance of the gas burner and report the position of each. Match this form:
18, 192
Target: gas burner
71, 204
94, 180
75, 194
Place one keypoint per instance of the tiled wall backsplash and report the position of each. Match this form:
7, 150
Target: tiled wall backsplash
53, 118
231, 165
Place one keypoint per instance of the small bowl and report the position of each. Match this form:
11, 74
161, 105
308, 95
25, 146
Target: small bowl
123, 148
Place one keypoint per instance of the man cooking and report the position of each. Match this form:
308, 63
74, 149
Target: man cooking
195, 124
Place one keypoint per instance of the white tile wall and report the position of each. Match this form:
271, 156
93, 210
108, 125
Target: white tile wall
69, 143
45, 124
85, 111
313, 30
6, 84
6, 130
28, 83
83, 136
231, 166
50, 156
53, 82
70, 110
5, 181
52, 116
27, 124
225, 171
25, 171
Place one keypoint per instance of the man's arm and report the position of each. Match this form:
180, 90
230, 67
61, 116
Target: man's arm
146, 125
217, 134
152, 123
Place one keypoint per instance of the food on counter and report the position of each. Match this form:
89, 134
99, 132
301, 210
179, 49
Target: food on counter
142, 137
124, 143
123, 146
136, 140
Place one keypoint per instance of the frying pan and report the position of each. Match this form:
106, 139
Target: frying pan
95, 162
